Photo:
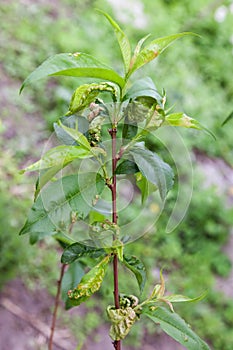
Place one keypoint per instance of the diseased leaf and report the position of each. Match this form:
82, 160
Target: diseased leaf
153, 168
89, 284
75, 65
175, 327
181, 119
122, 321
51, 213
155, 48
138, 268
122, 39
127, 167
71, 278
59, 157
138, 110
78, 250
87, 93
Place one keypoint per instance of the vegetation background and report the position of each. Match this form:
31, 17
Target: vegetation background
197, 75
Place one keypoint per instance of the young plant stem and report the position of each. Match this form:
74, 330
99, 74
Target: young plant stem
113, 133
56, 304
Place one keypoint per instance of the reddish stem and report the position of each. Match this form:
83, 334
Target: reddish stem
56, 304
113, 132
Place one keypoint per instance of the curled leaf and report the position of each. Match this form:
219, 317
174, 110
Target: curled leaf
87, 93
89, 284
122, 321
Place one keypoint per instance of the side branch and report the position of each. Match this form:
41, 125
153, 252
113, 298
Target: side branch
56, 304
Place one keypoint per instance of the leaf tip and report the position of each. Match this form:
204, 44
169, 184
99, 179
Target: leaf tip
101, 12
21, 88
230, 116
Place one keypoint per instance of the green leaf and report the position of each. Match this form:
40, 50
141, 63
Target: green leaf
127, 167
123, 41
119, 248
144, 87
76, 135
230, 116
138, 268
51, 213
64, 239
94, 216
45, 176
155, 48
177, 298
153, 168
59, 157
87, 93
145, 186
138, 49
181, 119
82, 140
89, 284
78, 250
176, 327
71, 278
75, 65
70, 122
129, 131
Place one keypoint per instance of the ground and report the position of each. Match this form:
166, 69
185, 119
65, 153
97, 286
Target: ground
25, 321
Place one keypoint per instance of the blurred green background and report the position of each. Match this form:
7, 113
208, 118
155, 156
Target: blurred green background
197, 75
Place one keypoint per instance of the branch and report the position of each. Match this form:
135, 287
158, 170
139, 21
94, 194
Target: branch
56, 304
